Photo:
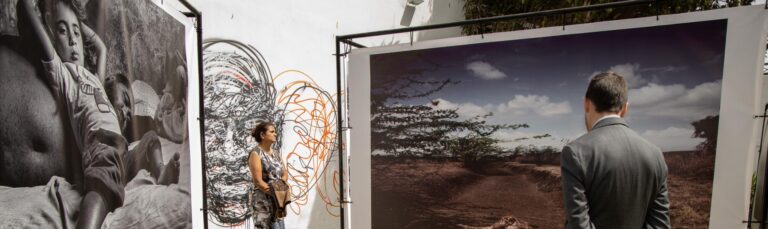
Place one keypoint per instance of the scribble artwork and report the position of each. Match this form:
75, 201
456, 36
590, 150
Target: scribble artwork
240, 91
311, 112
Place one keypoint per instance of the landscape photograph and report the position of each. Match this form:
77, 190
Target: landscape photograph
469, 136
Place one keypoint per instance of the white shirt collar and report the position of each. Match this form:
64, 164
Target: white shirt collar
605, 117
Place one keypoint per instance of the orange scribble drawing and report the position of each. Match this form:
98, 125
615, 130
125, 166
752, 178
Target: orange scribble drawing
310, 114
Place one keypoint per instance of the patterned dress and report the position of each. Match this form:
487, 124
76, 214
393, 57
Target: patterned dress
261, 204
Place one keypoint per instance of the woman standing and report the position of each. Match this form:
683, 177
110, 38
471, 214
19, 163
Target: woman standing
266, 167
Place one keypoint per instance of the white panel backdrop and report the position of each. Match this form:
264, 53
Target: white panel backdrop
741, 92
296, 39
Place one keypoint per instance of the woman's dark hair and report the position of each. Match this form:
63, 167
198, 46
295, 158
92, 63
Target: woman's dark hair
259, 129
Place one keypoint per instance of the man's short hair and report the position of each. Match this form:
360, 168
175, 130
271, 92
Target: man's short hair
607, 91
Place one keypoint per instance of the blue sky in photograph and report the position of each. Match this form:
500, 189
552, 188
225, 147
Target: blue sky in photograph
674, 73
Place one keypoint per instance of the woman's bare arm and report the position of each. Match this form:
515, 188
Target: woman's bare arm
285, 173
255, 165
29, 11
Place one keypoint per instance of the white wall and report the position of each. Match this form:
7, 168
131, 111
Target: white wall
299, 35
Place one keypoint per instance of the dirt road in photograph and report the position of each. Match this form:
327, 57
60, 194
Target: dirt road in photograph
466, 198
428, 193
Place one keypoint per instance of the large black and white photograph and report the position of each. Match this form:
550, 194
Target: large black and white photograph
470, 136
93, 115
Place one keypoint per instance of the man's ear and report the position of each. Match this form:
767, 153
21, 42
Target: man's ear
586, 105
624, 110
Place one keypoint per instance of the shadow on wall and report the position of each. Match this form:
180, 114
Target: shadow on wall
324, 215
442, 11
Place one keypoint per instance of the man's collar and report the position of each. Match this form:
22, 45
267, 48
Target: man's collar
595, 125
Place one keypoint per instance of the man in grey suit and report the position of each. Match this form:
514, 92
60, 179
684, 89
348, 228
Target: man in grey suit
612, 178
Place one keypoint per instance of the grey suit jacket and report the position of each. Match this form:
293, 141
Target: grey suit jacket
612, 178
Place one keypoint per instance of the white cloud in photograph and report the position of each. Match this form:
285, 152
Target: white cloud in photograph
630, 72
676, 100
655, 94
667, 68
484, 70
513, 138
672, 138
464, 110
534, 104
519, 105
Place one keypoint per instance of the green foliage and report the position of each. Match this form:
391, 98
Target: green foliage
706, 128
474, 9
424, 130
752, 189
538, 155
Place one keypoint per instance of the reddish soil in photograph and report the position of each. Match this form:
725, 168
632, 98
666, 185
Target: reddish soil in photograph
443, 193
424, 193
